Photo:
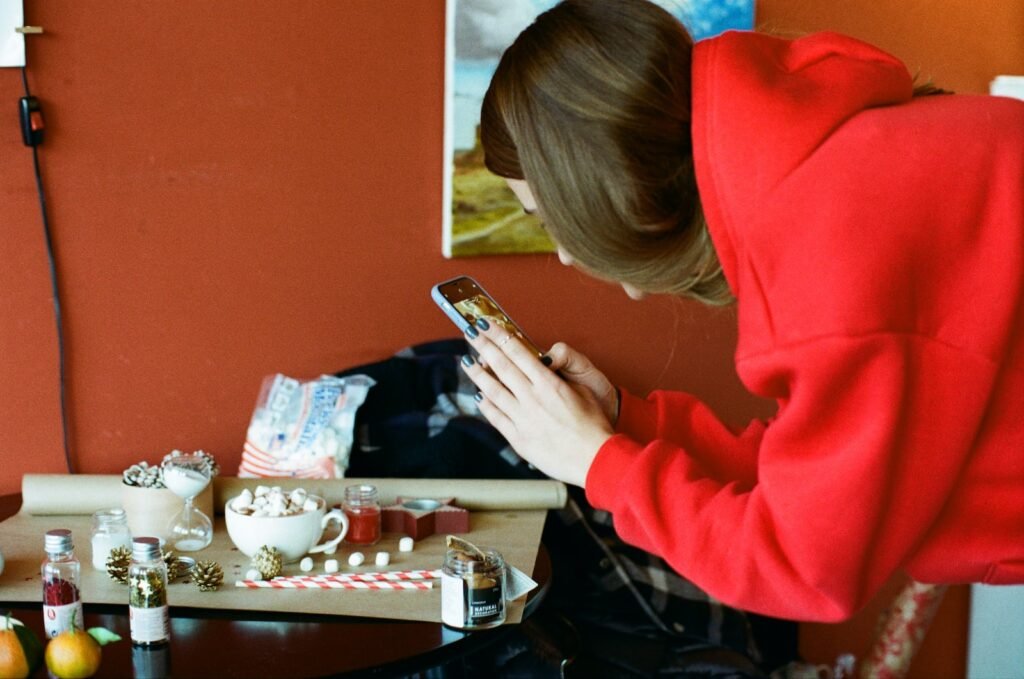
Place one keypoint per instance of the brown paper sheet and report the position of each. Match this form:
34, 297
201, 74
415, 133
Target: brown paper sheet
512, 525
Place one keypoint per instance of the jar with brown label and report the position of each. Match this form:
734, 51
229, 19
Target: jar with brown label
473, 589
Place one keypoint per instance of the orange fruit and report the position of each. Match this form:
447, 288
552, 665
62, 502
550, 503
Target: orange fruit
20, 650
73, 654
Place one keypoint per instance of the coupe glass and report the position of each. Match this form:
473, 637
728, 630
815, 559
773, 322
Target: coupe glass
186, 475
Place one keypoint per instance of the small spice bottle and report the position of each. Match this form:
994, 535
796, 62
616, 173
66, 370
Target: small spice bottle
62, 603
109, 530
473, 590
362, 508
147, 593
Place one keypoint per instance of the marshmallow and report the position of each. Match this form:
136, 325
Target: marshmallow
253, 574
331, 566
405, 544
306, 565
382, 559
272, 501
333, 549
356, 559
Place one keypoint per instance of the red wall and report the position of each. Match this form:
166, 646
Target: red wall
244, 187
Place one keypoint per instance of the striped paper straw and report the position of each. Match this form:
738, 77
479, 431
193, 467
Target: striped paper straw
278, 583
369, 577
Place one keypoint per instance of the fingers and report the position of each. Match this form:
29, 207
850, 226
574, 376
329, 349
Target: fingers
516, 365
577, 369
568, 361
561, 356
492, 392
496, 417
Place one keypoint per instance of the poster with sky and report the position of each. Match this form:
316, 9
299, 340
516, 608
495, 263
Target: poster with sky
482, 216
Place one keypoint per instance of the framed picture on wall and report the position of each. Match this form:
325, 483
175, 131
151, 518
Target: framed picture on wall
481, 215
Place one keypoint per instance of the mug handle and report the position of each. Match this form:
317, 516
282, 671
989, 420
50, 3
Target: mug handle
333, 515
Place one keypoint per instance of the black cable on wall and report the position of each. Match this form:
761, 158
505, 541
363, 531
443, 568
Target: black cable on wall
53, 283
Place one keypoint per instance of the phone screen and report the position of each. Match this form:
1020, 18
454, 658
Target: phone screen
464, 301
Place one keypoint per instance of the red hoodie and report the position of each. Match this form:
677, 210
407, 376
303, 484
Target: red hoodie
875, 244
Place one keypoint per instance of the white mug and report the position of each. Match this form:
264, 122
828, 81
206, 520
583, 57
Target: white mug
293, 535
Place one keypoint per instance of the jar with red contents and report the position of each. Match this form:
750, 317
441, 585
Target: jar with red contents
362, 508
62, 603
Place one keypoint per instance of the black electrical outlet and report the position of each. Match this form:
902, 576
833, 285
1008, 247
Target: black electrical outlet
31, 115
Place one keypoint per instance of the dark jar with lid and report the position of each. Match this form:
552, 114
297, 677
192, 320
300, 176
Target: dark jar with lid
473, 590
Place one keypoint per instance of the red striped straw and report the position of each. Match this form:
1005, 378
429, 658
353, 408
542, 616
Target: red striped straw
285, 583
368, 577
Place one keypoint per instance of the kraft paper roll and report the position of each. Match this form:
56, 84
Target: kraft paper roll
73, 494
471, 494
54, 494
45, 494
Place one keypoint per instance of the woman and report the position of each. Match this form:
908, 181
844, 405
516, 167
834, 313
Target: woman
873, 241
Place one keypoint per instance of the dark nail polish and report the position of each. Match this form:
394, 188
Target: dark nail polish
546, 360
471, 332
478, 396
482, 323
467, 360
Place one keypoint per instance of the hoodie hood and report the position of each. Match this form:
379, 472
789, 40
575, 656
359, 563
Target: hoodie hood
763, 105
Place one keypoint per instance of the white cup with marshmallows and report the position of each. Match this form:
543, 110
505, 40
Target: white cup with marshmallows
293, 524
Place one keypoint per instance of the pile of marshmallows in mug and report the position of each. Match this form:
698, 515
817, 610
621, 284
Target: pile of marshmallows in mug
272, 501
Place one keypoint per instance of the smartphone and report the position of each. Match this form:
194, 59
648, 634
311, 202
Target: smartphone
463, 301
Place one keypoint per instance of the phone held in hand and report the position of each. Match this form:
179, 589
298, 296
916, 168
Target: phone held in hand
463, 300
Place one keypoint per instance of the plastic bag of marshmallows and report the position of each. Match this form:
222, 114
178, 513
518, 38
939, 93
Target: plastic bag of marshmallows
303, 429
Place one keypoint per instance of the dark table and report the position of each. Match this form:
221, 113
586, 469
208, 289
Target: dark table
248, 644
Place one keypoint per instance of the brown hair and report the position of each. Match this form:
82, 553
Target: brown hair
591, 106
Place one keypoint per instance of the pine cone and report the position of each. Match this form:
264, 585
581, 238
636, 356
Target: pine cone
175, 568
117, 564
268, 562
207, 575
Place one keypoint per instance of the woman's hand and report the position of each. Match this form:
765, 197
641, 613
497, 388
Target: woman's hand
556, 424
578, 369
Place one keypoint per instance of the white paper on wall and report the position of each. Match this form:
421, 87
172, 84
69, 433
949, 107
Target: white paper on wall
12, 43
1007, 86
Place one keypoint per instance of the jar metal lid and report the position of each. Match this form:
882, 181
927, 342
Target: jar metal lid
146, 549
58, 540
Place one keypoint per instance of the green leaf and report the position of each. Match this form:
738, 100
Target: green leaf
103, 636
30, 645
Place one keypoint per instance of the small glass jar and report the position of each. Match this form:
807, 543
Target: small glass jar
473, 590
109, 530
148, 615
362, 508
62, 601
